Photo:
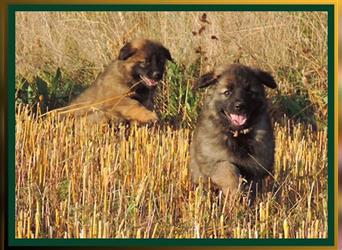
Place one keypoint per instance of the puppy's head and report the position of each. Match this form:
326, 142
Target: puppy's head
237, 94
145, 60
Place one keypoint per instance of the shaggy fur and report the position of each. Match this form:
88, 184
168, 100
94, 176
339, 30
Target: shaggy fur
234, 136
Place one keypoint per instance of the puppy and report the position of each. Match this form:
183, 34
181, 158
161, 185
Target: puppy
125, 90
234, 136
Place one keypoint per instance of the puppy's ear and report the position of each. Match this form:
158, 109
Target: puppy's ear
206, 80
265, 78
126, 51
167, 54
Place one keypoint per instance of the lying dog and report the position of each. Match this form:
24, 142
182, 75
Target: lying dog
125, 90
234, 135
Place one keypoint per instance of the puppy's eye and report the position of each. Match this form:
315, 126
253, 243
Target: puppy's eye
144, 63
227, 92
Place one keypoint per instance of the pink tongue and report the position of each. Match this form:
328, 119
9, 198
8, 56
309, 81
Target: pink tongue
151, 82
148, 81
238, 120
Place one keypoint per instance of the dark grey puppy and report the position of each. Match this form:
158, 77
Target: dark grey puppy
234, 136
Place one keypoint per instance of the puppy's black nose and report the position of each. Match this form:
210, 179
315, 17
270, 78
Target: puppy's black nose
156, 75
239, 106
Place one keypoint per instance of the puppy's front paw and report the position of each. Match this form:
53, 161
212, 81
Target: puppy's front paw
148, 117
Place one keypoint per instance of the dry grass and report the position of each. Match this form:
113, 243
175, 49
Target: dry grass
101, 182
79, 41
81, 181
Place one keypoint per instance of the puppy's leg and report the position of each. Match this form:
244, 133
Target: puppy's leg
195, 171
133, 110
226, 177
196, 174
96, 117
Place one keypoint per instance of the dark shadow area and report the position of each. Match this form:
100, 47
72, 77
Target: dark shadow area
296, 107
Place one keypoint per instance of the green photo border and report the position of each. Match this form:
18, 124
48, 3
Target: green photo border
12, 241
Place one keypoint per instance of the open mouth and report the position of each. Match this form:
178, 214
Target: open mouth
148, 81
235, 119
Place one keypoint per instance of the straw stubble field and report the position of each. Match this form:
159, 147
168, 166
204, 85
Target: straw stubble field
74, 180
95, 182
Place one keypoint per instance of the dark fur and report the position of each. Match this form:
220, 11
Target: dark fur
220, 149
139, 67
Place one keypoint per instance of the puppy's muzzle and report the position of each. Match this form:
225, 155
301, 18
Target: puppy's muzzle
239, 106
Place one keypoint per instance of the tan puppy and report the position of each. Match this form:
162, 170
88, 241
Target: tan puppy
125, 90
